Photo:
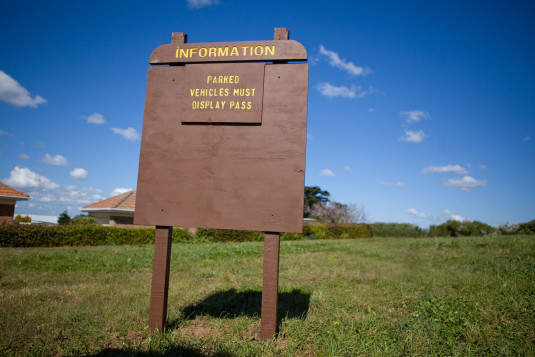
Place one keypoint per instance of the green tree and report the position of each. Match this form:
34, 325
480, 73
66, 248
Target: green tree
83, 220
527, 228
64, 218
20, 219
314, 196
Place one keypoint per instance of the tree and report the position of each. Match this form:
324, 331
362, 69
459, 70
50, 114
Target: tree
334, 212
314, 196
20, 219
83, 220
64, 218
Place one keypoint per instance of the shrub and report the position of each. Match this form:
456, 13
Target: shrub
397, 230
315, 230
20, 219
318, 230
455, 229
292, 236
66, 235
91, 234
229, 235
83, 220
182, 235
527, 228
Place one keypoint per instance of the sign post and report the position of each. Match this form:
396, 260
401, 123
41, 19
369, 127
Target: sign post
223, 146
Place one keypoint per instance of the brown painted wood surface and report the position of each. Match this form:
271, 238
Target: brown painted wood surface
281, 33
250, 83
160, 278
237, 176
285, 50
270, 286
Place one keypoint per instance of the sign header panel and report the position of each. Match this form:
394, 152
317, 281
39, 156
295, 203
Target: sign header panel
213, 52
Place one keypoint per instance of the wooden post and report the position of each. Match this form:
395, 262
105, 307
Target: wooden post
162, 256
160, 278
270, 277
270, 286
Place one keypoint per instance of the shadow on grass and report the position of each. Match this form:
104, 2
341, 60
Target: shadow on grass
223, 304
230, 304
175, 350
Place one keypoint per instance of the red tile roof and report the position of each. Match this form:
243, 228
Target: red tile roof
10, 192
125, 201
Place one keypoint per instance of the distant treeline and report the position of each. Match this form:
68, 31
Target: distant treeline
78, 235
475, 228
451, 229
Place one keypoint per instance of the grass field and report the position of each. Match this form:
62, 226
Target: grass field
388, 297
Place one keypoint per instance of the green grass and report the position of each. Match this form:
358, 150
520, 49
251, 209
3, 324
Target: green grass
380, 296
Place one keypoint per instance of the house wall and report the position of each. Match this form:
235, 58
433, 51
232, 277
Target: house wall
113, 218
103, 218
7, 210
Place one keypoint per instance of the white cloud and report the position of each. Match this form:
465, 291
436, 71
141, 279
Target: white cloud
348, 169
96, 118
371, 110
119, 191
331, 91
349, 67
78, 195
413, 136
414, 116
458, 169
2, 133
22, 177
78, 174
56, 160
129, 134
453, 216
23, 156
197, 4
414, 212
456, 217
69, 195
465, 183
327, 172
13, 93
393, 184
482, 167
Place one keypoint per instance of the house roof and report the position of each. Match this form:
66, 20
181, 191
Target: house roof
125, 202
10, 193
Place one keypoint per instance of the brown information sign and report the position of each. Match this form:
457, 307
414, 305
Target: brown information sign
223, 146
223, 93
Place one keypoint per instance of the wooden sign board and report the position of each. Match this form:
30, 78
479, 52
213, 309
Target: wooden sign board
223, 145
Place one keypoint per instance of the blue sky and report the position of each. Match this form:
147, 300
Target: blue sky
418, 112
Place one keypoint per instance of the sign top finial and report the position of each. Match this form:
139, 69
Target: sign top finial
281, 33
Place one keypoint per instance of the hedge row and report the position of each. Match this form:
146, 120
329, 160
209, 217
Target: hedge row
337, 231
56, 236
398, 230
